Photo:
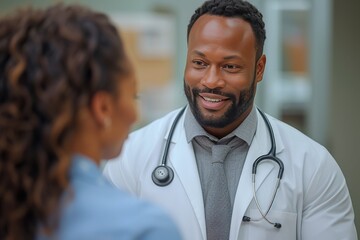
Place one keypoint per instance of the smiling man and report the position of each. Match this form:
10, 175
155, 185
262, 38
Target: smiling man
222, 168
222, 71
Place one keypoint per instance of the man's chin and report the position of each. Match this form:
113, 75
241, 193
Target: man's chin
212, 114
212, 121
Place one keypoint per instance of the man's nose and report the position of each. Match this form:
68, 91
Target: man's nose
212, 79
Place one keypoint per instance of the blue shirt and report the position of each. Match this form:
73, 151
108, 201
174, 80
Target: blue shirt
97, 210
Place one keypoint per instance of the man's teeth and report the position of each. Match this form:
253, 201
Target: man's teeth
212, 100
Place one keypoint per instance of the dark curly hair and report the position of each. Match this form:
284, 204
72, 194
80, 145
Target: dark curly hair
52, 61
234, 8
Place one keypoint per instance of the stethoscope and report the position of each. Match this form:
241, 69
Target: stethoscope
163, 174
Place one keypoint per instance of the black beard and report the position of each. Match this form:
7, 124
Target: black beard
236, 109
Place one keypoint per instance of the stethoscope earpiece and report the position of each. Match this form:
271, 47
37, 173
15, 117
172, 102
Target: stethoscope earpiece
277, 225
162, 175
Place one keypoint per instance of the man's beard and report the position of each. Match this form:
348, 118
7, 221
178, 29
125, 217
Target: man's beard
236, 109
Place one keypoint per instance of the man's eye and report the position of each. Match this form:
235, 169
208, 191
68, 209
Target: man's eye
199, 63
231, 67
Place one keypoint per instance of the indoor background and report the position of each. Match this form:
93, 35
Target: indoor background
311, 79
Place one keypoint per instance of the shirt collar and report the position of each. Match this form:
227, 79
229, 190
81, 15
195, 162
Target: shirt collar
82, 166
245, 131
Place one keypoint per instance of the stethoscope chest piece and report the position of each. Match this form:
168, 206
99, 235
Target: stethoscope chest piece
162, 175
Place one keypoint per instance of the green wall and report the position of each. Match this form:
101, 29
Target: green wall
345, 97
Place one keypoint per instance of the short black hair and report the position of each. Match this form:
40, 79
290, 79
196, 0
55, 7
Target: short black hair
234, 8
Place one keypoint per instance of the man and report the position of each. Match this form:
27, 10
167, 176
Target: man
211, 192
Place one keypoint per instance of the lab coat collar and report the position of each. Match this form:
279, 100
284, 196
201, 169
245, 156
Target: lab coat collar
181, 157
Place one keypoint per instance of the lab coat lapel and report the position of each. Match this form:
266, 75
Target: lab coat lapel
183, 160
260, 145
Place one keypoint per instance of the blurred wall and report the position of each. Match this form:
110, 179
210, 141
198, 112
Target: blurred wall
181, 10
345, 97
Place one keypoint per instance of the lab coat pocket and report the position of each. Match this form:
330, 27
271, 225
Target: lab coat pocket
262, 230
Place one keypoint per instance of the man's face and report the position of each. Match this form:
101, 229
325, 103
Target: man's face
221, 72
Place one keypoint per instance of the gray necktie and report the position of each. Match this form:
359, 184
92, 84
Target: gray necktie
218, 208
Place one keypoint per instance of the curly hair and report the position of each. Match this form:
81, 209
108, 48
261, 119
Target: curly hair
234, 8
52, 61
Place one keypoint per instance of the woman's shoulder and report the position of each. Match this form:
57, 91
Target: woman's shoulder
113, 213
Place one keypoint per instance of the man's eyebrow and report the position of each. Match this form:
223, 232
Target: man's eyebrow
232, 57
199, 53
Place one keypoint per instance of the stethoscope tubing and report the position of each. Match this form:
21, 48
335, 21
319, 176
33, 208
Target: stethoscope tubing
171, 132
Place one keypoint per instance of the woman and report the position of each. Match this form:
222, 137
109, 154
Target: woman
67, 100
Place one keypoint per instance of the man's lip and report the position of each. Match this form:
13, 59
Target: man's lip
212, 96
212, 102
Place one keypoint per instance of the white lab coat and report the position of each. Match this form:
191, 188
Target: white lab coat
312, 202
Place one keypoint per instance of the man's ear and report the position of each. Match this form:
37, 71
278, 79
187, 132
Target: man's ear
260, 68
102, 108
